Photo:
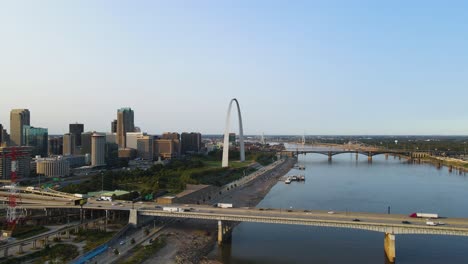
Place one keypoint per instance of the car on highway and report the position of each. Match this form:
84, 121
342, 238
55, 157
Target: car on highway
356, 220
331, 212
406, 222
122, 242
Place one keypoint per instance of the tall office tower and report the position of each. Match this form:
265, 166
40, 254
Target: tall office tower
171, 135
125, 123
165, 148
86, 143
68, 144
131, 139
1, 134
114, 126
98, 149
37, 138
76, 129
55, 146
23, 162
191, 142
145, 147
18, 119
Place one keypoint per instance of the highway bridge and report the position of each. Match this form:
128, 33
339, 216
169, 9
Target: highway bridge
366, 152
389, 224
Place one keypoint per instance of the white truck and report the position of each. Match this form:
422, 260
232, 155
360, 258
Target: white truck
224, 205
171, 209
424, 215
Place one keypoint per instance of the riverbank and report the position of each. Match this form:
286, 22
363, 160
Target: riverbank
190, 241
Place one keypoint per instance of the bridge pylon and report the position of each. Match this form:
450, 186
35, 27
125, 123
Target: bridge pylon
389, 247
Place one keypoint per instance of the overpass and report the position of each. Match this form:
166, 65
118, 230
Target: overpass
388, 224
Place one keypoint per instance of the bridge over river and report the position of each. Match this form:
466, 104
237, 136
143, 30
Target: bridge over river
389, 224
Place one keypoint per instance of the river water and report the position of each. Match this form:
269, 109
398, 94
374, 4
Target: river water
347, 184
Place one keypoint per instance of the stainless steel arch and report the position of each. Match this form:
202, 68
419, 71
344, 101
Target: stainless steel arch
226, 135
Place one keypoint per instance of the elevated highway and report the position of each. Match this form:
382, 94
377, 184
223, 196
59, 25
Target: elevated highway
389, 224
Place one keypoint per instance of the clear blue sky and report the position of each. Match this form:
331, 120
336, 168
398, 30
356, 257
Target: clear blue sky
319, 67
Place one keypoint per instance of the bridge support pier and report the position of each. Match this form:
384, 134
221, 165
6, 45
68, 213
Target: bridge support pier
329, 156
369, 158
357, 155
386, 156
389, 247
224, 231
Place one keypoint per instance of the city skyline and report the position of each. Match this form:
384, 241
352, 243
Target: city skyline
298, 68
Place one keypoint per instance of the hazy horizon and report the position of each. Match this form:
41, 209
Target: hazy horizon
302, 67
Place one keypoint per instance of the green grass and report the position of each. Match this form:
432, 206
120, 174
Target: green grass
232, 164
141, 253
22, 232
93, 238
60, 253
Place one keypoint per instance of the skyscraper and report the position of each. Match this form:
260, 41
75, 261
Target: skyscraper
98, 149
68, 144
56, 146
145, 147
1, 134
37, 138
18, 119
76, 129
125, 123
86, 143
191, 142
171, 135
5, 138
114, 126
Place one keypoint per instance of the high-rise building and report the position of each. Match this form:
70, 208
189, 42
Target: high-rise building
23, 162
145, 147
76, 129
86, 143
69, 144
114, 126
5, 138
191, 142
125, 123
55, 146
132, 137
98, 149
53, 167
1, 134
165, 148
18, 119
37, 138
171, 135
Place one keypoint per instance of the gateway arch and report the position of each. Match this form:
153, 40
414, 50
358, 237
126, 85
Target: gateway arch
226, 135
